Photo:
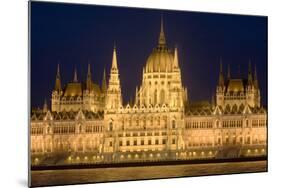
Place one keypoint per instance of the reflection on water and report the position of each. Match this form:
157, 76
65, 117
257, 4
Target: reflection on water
58, 177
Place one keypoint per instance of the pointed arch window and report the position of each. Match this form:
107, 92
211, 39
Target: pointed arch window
173, 124
162, 96
110, 126
155, 97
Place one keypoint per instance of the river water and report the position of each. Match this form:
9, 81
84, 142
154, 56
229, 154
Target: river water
95, 175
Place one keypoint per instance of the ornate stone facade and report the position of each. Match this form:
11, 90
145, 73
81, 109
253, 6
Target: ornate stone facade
87, 123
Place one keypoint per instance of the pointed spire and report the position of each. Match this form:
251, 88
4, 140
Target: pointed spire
58, 71
256, 78
104, 87
75, 79
228, 71
221, 78
162, 40
45, 106
114, 58
176, 62
89, 70
137, 98
89, 78
58, 81
250, 77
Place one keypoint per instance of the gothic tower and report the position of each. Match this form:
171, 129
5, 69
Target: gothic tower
57, 92
113, 94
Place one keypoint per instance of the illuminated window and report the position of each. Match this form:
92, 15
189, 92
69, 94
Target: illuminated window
155, 96
162, 96
173, 124
110, 126
156, 142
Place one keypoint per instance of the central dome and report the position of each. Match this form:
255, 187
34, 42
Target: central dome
161, 59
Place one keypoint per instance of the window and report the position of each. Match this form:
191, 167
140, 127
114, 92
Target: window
248, 140
156, 142
128, 143
149, 142
174, 141
120, 143
162, 96
173, 124
142, 142
135, 142
110, 144
164, 141
155, 96
110, 126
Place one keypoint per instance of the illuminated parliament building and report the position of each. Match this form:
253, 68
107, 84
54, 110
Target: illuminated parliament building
89, 123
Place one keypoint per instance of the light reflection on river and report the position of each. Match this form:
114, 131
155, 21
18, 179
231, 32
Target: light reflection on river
58, 177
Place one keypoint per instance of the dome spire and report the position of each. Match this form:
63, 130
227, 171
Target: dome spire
75, 79
162, 40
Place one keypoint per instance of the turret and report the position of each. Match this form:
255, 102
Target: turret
57, 92
113, 97
256, 84
176, 61
221, 78
104, 87
220, 88
45, 106
250, 77
58, 80
89, 78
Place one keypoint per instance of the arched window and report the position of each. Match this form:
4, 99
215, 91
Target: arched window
174, 124
155, 97
110, 126
162, 96
144, 123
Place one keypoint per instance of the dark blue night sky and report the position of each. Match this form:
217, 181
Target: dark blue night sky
74, 35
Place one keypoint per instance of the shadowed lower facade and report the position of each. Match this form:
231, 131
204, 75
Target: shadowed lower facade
91, 124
